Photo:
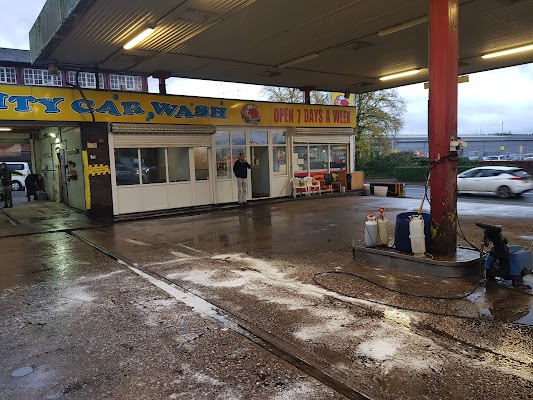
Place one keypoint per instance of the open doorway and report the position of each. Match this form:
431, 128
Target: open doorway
260, 171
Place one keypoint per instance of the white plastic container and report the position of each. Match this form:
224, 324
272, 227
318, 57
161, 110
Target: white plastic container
383, 231
416, 234
380, 191
371, 230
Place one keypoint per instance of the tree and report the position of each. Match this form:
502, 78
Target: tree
292, 95
379, 118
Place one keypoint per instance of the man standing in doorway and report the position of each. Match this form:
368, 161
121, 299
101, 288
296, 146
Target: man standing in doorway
5, 177
240, 169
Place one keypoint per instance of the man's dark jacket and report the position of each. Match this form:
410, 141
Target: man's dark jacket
6, 177
240, 169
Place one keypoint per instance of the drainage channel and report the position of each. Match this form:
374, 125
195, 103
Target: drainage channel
13, 221
278, 347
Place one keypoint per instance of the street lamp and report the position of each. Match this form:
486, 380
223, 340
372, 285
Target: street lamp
502, 148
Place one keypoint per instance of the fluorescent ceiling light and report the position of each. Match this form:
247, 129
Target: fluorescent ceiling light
507, 52
399, 75
139, 38
460, 79
298, 60
5, 129
405, 25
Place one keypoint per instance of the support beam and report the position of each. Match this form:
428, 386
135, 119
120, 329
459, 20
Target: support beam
307, 94
162, 76
443, 124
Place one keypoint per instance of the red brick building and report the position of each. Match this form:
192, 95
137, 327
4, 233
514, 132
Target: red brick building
16, 69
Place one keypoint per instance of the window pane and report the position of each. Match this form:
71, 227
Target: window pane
126, 162
300, 158
238, 138
178, 164
7, 75
153, 166
318, 157
236, 151
339, 155
258, 137
279, 138
223, 162
222, 138
280, 160
201, 166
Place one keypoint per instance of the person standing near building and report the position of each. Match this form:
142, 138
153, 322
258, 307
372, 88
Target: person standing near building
240, 169
5, 177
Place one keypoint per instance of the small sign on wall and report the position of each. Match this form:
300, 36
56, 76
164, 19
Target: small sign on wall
92, 145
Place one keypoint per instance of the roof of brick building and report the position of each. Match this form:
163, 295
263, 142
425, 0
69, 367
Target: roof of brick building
15, 55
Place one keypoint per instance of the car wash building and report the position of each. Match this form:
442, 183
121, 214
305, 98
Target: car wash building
114, 153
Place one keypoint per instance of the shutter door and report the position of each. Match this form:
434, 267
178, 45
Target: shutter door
322, 135
148, 135
331, 139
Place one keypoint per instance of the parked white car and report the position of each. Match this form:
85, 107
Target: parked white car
495, 158
19, 172
501, 181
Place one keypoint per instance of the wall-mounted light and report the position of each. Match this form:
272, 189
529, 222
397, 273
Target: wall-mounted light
53, 69
510, 51
5, 129
298, 60
53, 135
400, 75
405, 25
139, 38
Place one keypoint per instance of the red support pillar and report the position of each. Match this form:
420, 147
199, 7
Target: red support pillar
443, 69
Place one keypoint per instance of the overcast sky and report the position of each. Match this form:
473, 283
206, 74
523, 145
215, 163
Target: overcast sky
490, 98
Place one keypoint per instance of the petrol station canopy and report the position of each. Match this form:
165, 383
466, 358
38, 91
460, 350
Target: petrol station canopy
333, 45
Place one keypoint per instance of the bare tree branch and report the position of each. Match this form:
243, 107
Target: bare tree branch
292, 95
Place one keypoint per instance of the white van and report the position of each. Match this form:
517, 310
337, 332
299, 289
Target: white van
19, 172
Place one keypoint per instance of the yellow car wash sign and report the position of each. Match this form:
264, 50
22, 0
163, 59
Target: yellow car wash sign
59, 104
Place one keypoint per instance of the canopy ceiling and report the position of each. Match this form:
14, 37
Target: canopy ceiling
347, 44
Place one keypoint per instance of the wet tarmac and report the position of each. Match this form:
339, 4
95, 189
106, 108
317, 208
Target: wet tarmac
264, 302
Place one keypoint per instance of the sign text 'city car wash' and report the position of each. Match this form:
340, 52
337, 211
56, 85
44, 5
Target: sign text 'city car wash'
28, 103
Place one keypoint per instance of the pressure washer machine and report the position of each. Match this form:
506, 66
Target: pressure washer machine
509, 262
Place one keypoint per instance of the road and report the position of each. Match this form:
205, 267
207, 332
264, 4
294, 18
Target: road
417, 191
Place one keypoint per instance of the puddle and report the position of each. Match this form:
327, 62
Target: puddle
526, 237
527, 319
22, 372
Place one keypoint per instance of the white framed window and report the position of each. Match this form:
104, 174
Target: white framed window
41, 77
8, 75
101, 81
86, 79
126, 82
